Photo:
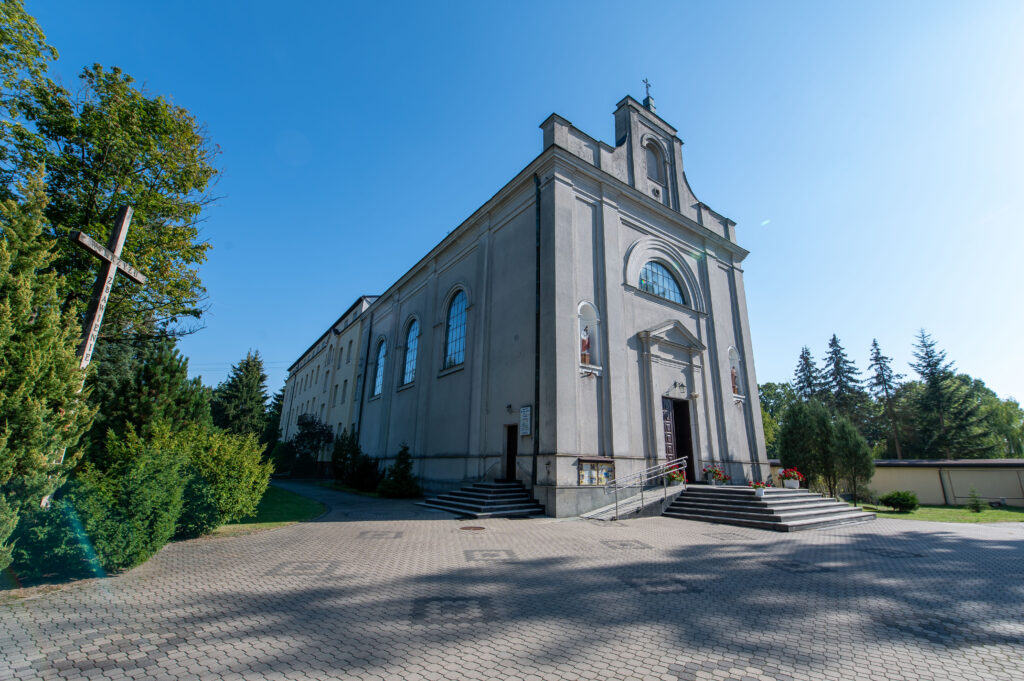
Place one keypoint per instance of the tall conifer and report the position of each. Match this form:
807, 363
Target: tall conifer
950, 421
240, 403
841, 380
43, 411
883, 383
806, 378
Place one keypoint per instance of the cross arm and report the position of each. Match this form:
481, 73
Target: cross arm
97, 249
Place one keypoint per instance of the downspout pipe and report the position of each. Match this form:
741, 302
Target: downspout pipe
362, 391
536, 337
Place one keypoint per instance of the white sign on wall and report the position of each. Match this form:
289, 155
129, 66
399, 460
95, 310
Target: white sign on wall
524, 421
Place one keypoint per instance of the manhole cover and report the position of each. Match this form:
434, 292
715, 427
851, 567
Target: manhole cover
473, 528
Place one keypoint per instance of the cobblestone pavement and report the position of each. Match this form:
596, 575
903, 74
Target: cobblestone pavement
381, 589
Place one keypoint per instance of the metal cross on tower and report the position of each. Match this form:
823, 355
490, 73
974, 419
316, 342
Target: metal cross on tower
111, 257
647, 84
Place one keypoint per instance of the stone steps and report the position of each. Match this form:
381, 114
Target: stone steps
781, 510
497, 499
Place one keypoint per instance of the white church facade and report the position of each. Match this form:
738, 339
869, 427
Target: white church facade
586, 322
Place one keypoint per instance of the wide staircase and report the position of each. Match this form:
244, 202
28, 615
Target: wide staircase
498, 499
781, 510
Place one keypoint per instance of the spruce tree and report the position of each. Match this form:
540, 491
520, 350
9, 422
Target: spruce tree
950, 423
841, 381
272, 431
883, 383
155, 390
44, 413
806, 378
240, 403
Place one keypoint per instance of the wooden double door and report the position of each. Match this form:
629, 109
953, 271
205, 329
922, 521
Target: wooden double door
675, 415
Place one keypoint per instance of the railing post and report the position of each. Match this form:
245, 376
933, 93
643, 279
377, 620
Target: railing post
616, 488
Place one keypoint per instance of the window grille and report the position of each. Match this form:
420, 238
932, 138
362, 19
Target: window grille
657, 280
455, 332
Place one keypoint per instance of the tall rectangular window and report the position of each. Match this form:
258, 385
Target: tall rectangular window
344, 389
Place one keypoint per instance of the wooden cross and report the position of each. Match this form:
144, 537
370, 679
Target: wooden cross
647, 84
111, 257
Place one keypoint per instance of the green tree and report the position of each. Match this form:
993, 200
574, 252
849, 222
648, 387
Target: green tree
853, 457
841, 383
43, 411
399, 482
776, 398
1006, 420
805, 442
24, 56
883, 384
807, 378
771, 433
154, 388
239, 404
110, 144
950, 420
311, 437
272, 431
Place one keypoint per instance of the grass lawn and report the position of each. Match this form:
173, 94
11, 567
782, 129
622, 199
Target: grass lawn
952, 514
278, 508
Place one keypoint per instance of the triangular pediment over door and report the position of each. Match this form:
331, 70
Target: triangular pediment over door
672, 334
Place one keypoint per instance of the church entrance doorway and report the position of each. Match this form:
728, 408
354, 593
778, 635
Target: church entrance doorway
675, 416
511, 451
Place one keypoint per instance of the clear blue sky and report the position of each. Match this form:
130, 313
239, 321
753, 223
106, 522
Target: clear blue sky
870, 151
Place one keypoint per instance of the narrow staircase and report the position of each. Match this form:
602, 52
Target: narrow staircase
781, 510
498, 499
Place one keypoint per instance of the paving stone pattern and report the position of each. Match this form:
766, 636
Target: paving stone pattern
385, 590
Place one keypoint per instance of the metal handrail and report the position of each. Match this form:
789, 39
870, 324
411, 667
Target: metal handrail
659, 472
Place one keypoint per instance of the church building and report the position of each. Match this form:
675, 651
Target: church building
588, 321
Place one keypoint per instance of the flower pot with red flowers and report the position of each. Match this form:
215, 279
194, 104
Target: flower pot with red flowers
791, 478
758, 488
715, 474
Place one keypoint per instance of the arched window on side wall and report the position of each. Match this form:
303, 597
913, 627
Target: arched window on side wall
655, 166
455, 332
590, 345
657, 280
412, 341
378, 378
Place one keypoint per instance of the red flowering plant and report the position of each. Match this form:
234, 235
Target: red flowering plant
757, 485
715, 472
675, 473
791, 474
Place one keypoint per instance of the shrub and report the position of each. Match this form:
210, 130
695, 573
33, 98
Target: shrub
199, 512
232, 465
902, 501
354, 468
128, 509
312, 437
974, 502
283, 458
400, 483
49, 543
342, 455
366, 473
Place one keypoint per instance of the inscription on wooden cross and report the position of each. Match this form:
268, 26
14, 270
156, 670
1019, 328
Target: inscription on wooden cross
111, 258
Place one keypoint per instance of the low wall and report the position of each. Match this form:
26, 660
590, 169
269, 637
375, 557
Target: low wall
948, 483
951, 482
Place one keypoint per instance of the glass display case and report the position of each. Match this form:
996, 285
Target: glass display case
596, 471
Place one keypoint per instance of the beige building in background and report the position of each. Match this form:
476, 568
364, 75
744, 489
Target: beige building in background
322, 382
586, 322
